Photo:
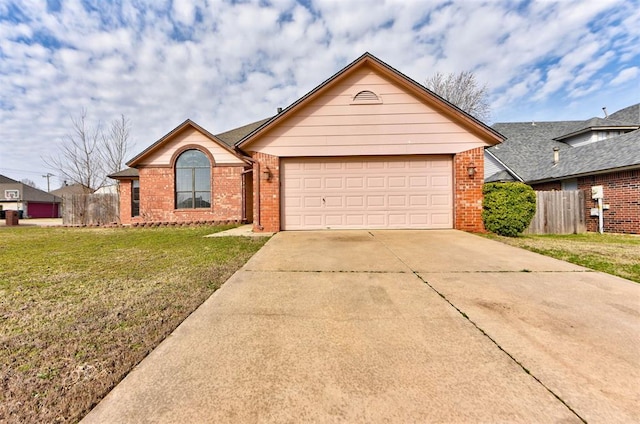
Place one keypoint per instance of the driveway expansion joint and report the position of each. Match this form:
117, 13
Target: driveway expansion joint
484, 333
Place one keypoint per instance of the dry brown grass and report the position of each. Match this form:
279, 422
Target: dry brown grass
80, 307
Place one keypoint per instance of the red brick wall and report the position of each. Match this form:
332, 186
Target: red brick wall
468, 190
269, 192
157, 197
124, 191
622, 194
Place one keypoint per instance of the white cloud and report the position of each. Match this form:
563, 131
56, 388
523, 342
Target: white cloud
242, 60
627, 74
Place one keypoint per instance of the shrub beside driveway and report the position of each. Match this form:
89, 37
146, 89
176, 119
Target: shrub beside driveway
80, 307
614, 254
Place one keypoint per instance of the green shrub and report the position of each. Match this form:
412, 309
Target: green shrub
508, 208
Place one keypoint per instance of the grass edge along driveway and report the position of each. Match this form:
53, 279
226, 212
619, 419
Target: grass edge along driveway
79, 308
615, 254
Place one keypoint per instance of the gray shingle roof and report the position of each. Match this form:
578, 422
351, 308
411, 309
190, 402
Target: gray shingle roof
628, 115
615, 152
529, 146
125, 174
594, 124
231, 137
528, 150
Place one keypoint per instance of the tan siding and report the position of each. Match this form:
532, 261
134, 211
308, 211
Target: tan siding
331, 125
162, 157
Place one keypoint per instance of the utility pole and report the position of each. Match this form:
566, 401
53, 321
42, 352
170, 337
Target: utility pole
49, 175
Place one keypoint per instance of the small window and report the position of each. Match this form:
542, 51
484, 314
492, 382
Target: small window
366, 97
193, 180
135, 198
570, 184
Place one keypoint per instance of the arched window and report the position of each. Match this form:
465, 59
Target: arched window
193, 180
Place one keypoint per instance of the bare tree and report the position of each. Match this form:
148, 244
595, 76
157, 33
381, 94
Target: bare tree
30, 183
462, 89
115, 144
87, 155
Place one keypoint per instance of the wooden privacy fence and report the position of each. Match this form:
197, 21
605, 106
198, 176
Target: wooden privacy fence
559, 212
89, 209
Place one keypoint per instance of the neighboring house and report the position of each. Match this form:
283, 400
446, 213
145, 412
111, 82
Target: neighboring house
577, 155
32, 202
68, 189
367, 148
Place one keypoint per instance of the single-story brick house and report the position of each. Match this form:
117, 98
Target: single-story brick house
367, 148
577, 155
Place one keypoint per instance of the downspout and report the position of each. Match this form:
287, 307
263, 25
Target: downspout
256, 188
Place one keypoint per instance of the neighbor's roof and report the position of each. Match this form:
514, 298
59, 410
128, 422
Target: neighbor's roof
443, 106
529, 146
72, 189
613, 153
629, 115
597, 124
528, 150
27, 193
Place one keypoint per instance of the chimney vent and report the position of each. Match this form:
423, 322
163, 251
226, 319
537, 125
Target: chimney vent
279, 110
556, 155
606, 115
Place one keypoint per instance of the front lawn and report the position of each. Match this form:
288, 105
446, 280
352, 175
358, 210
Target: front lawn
611, 253
80, 307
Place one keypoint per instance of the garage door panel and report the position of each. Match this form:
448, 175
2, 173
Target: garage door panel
361, 192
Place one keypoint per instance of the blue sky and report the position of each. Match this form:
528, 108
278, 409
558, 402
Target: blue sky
227, 63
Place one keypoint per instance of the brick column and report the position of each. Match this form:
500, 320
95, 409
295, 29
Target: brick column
268, 190
124, 193
468, 190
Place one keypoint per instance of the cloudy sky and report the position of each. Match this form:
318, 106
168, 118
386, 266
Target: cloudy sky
227, 63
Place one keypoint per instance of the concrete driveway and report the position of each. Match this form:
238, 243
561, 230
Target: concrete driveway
396, 326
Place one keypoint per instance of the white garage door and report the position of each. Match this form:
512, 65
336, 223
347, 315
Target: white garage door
399, 192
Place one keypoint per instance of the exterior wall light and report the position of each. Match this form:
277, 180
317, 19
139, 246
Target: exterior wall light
471, 169
267, 174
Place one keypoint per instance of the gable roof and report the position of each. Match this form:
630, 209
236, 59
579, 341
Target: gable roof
186, 124
27, 193
470, 123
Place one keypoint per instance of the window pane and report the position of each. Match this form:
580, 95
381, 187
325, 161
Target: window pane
192, 159
203, 199
202, 180
135, 198
184, 179
184, 200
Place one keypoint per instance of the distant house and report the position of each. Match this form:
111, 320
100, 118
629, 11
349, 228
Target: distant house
68, 189
367, 148
577, 155
29, 201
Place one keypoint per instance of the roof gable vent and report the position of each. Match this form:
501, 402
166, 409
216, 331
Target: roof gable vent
366, 97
